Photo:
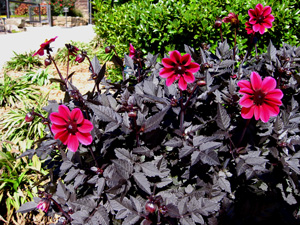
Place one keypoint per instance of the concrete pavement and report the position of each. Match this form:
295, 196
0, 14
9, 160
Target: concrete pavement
34, 36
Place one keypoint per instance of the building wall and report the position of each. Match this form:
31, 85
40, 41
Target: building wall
82, 5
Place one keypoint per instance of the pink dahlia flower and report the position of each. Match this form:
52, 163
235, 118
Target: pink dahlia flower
44, 46
249, 28
261, 18
261, 98
131, 51
180, 68
71, 127
232, 18
44, 204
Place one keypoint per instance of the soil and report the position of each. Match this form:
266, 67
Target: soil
81, 80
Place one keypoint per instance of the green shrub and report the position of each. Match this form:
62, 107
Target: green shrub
24, 61
62, 54
39, 77
17, 131
16, 90
17, 180
149, 24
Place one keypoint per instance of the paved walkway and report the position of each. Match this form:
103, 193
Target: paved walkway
34, 36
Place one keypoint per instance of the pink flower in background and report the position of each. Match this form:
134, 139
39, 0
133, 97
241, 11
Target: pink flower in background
261, 18
44, 204
249, 28
44, 46
231, 18
131, 51
180, 68
71, 127
261, 98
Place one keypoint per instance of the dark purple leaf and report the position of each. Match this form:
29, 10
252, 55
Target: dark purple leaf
153, 122
223, 119
142, 182
172, 210
27, 207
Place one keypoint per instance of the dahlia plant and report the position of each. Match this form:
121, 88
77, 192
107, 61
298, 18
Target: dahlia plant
220, 146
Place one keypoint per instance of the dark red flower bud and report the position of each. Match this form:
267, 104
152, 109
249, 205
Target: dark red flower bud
163, 210
150, 207
218, 23
288, 73
44, 204
132, 114
47, 62
29, 117
201, 83
107, 49
80, 58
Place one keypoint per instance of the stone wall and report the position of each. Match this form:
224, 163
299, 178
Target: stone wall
71, 21
82, 5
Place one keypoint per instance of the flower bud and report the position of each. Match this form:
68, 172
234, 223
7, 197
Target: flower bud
201, 83
80, 58
132, 114
47, 62
150, 207
29, 117
44, 204
107, 49
218, 23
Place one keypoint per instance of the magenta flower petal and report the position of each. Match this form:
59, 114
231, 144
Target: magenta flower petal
182, 83
167, 63
68, 126
193, 67
265, 115
186, 60
261, 19
180, 68
77, 116
44, 46
84, 138
73, 143
244, 84
131, 51
267, 11
170, 80
166, 72
189, 77
272, 109
85, 127
246, 101
56, 118
63, 136
57, 128
261, 99
247, 113
268, 84
175, 56
255, 80
275, 94
246, 91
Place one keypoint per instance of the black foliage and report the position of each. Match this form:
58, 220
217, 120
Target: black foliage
146, 167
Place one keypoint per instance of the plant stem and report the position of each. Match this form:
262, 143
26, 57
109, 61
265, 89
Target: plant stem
186, 103
244, 131
181, 113
68, 66
62, 211
92, 153
58, 71
221, 34
233, 57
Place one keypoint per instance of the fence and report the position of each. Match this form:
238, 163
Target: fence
35, 12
